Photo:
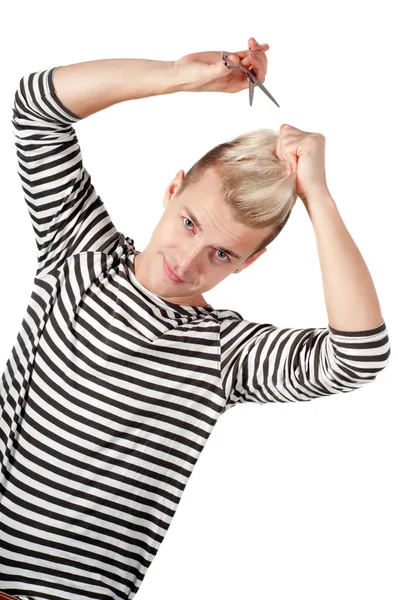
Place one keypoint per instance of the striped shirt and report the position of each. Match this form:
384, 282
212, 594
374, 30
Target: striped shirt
110, 392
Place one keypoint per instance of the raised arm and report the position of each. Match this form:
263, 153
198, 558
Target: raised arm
88, 87
67, 214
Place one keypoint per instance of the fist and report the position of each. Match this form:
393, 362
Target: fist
304, 154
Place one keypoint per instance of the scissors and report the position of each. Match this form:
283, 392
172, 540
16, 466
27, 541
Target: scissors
252, 80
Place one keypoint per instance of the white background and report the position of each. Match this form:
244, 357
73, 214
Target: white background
286, 501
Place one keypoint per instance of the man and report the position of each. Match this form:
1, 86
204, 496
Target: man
120, 372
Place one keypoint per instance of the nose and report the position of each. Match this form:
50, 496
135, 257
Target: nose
189, 262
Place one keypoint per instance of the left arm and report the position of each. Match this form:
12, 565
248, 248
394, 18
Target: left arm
350, 296
264, 363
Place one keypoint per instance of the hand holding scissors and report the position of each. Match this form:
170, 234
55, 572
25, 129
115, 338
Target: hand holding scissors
210, 71
249, 72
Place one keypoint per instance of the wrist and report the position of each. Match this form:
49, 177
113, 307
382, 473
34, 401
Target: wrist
171, 78
189, 76
315, 196
318, 204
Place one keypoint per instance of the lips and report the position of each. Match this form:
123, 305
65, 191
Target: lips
171, 273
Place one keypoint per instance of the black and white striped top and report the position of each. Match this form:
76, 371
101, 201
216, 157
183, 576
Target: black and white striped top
110, 392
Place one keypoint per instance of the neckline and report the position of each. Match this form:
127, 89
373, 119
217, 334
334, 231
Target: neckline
180, 308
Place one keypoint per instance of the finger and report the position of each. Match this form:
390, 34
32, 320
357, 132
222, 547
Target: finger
254, 45
243, 53
233, 58
282, 155
257, 63
251, 59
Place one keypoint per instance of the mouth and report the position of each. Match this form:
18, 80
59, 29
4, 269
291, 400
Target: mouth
170, 273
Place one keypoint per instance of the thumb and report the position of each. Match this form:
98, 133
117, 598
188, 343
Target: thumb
232, 59
222, 70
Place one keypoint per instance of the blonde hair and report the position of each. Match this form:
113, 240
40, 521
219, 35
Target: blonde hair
254, 181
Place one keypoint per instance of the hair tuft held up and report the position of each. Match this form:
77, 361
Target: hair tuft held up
254, 181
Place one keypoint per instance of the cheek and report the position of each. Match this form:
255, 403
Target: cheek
170, 234
165, 233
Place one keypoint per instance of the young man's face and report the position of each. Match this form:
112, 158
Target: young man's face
195, 254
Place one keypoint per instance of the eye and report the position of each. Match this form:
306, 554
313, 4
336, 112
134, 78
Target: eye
221, 259
226, 255
186, 219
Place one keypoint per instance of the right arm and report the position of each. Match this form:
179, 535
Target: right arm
88, 87
66, 212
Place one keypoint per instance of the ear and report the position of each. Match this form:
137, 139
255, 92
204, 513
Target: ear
253, 258
172, 188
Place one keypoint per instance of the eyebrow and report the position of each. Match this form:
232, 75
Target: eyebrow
199, 226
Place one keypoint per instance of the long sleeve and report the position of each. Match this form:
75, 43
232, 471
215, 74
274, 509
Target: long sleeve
264, 363
67, 214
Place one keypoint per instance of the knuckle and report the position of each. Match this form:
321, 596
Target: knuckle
316, 138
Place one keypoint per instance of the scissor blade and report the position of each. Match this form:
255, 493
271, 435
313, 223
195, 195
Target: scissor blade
255, 81
260, 85
251, 92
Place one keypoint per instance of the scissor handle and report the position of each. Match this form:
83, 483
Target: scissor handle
224, 56
249, 73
